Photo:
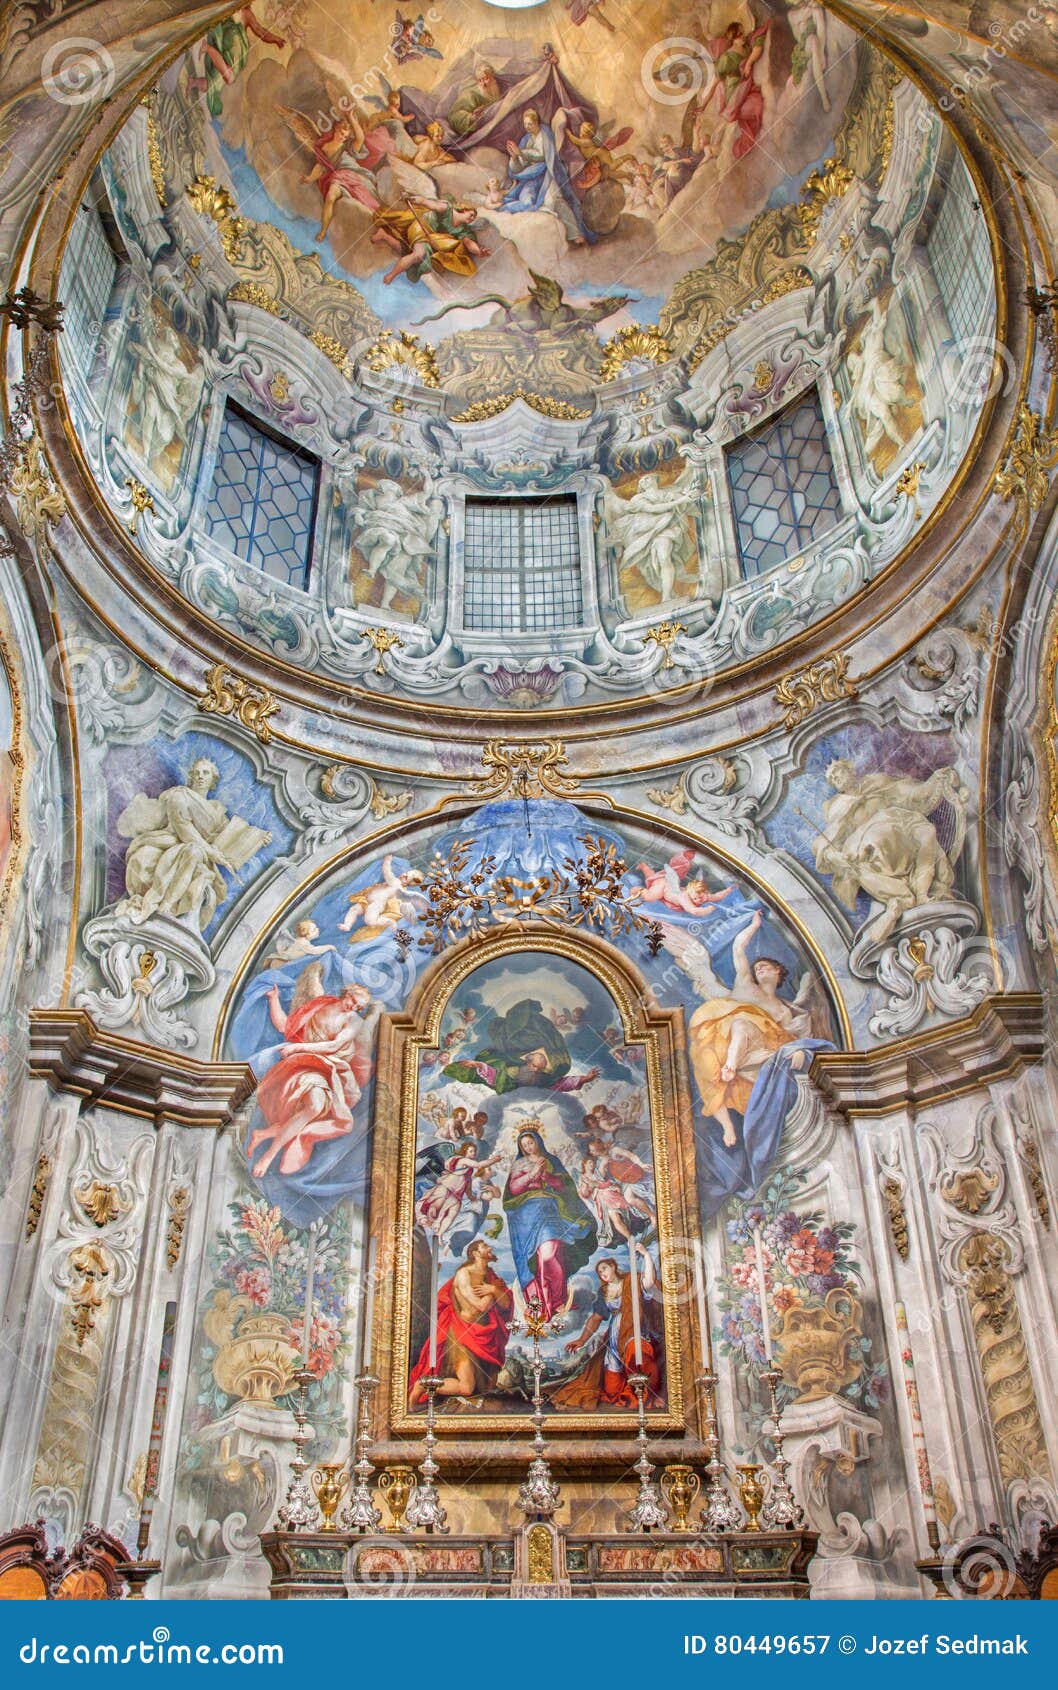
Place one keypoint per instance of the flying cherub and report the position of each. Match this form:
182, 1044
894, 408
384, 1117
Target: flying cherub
385, 904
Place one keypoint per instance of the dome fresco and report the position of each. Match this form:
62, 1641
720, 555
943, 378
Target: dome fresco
704, 295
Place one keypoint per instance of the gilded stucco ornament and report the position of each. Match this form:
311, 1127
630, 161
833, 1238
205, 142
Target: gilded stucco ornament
638, 343
825, 682
211, 199
229, 695
496, 403
526, 768
1033, 454
403, 351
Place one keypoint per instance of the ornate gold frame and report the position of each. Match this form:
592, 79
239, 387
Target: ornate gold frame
660, 1033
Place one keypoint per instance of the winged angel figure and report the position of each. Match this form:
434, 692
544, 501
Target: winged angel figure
326, 1061
736, 1029
363, 139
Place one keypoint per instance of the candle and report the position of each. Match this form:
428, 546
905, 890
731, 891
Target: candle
765, 1323
310, 1278
369, 1311
703, 1309
434, 1263
636, 1332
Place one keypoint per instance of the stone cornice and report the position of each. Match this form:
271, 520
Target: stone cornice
69, 1051
1003, 1035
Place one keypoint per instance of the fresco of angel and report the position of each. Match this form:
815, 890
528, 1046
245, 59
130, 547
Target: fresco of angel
879, 396
439, 1207
430, 233
396, 535
336, 170
675, 886
736, 1030
649, 530
225, 50
385, 904
412, 40
311, 1094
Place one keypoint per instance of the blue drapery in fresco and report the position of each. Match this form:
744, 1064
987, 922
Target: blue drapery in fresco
739, 1171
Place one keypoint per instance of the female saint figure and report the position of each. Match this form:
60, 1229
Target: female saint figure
552, 1231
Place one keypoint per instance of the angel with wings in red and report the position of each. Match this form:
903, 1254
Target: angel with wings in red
327, 1060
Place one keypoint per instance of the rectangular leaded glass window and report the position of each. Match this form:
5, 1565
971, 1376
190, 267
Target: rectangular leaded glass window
522, 565
961, 262
262, 502
89, 271
783, 489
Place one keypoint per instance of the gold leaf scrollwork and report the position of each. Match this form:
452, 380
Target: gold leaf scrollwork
211, 199
672, 798
984, 1261
141, 501
638, 341
403, 350
385, 804
154, 151
332, 348
822, 186
1030, 1156
664, 636
38, 502
531, 769
1033, 452
38, 1192
91, 1264
969, 1190
383, 640
230, 695
893, 1192
824, 682
483, 409
179, 1203
254, 293
101, 1203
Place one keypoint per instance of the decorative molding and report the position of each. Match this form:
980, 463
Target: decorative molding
638, 341
892, 1189
154, 150
383, 640
74, 1055
38, 1192
179, 1203
528, 768
825, 682
1033, 453
229, 695
1001, 1037
492, 406
1029, 1151
403, 351
664, 637
211, 199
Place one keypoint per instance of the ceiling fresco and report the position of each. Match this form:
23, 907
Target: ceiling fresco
446, 161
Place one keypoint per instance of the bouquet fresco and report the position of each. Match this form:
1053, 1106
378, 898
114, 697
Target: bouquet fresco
808, 1265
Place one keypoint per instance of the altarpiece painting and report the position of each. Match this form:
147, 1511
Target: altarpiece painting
531, 1147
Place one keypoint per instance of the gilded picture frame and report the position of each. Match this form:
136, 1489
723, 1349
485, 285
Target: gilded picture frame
659, 1034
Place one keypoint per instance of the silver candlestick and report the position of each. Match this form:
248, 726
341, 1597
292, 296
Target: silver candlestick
426, 1512
299, 1512
360, 1513
539, 1496
720, 1512
782, 1508
648, 1513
